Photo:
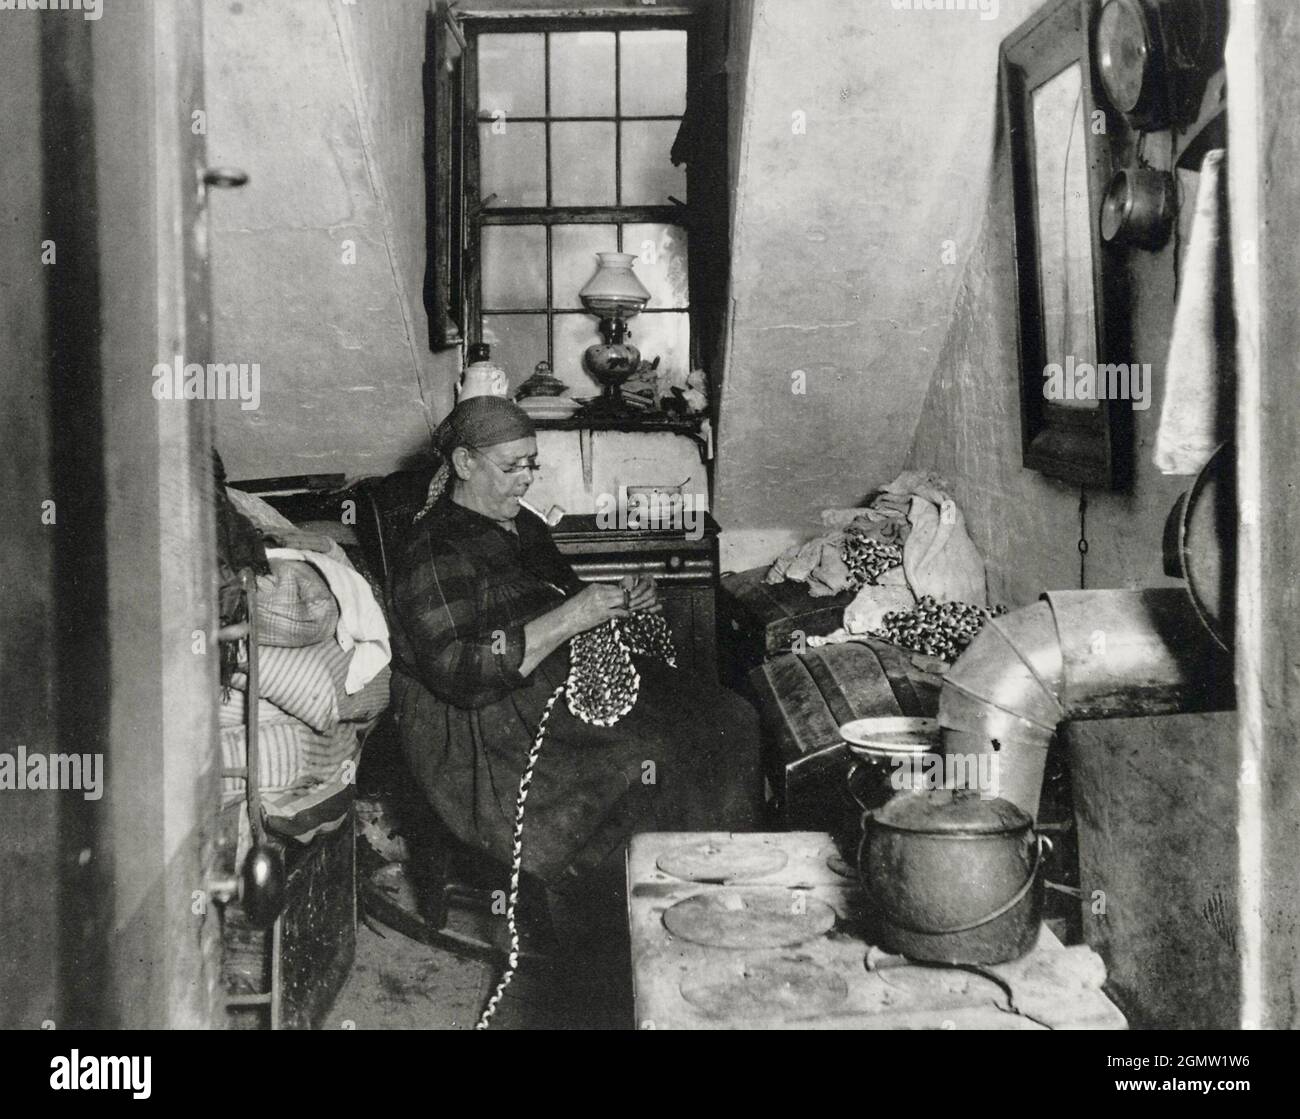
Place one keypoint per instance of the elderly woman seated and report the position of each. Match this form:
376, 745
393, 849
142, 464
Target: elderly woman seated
485, 609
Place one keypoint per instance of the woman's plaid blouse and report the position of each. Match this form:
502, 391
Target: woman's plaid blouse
462, 589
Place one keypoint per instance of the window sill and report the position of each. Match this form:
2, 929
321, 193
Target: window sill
659, 421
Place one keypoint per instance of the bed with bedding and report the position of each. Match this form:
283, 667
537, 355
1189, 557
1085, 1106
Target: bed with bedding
308, 683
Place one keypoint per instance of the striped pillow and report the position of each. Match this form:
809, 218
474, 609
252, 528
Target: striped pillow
279, 755
289, 676
370, 700
316, 800
298, 682
291, 757
233, 705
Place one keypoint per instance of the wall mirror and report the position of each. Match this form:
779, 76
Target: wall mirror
1064, 221
1068, 293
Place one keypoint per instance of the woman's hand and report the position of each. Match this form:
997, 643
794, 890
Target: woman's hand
594, 605
642, 594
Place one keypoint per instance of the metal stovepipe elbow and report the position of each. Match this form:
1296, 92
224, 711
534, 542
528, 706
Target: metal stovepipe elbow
1076, 655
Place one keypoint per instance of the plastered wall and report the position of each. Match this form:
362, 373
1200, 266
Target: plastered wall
318, 263
860, 174
1026, 525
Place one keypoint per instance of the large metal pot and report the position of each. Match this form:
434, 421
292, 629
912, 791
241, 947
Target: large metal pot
952, 877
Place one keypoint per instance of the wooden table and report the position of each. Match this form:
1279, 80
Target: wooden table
823, 981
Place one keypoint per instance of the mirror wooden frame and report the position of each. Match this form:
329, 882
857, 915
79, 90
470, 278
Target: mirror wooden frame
1090, 446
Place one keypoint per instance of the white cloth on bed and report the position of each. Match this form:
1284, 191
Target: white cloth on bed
361, 621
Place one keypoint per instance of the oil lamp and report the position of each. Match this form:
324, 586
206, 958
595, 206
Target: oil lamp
615, 295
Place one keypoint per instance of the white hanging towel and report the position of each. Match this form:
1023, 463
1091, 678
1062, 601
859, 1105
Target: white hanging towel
1196, 413
361, 621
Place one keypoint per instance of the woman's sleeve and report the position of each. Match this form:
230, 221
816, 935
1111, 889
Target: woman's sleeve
543, 558
462, 658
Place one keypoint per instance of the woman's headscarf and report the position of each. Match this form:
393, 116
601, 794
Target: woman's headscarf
478, 423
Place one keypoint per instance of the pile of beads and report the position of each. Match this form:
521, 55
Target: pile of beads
867, 559
937, 629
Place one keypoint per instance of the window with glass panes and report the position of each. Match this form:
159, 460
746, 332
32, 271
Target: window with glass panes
572, 157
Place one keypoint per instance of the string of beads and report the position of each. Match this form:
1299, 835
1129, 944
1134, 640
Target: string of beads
602, 687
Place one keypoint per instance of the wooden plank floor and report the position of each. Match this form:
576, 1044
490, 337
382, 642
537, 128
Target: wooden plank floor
398, 983
401, 984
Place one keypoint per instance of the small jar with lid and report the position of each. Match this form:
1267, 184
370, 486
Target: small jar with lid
481, 376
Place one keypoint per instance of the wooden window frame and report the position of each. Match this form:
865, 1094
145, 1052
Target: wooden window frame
459, 225
444, 167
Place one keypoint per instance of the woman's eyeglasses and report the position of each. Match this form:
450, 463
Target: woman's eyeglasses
514, 470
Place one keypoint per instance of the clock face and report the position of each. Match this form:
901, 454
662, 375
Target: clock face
1123, 53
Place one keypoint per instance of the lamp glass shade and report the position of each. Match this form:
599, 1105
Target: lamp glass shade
614, 291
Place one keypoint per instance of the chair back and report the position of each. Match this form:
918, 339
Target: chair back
386, 506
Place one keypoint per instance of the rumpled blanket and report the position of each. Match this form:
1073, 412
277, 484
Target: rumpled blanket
820, 562
361, 621
865, 612
939, 558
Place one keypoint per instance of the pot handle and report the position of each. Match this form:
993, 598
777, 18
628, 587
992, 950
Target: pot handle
1006, 907
851, 773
